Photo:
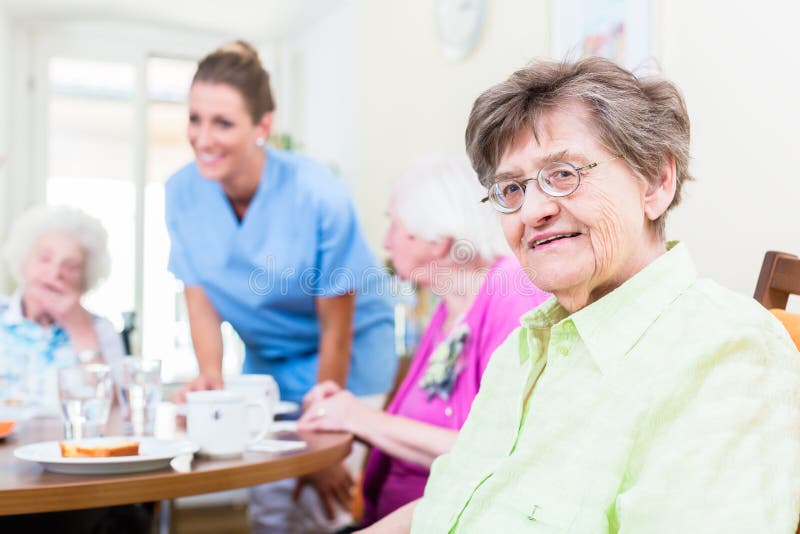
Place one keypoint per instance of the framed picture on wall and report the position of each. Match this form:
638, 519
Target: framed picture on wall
620, 30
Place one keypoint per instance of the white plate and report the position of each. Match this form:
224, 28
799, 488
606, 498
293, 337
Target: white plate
283, 426
154, 454
284, 407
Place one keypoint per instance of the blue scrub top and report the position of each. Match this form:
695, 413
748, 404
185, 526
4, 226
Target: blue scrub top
299, 240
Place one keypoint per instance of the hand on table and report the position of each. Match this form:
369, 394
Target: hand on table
339, 412
323, 390
201, 383
334, 486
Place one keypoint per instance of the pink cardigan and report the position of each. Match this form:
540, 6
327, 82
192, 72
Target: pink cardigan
505, 295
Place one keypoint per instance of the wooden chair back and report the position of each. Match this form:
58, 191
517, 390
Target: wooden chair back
779, 278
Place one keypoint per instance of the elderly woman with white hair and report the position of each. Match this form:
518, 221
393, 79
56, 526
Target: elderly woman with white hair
56, 255
443, 239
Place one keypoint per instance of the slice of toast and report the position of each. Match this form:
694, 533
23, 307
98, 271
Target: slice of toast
123, 448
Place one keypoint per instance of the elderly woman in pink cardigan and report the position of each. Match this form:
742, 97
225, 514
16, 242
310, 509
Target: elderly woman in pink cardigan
441, 237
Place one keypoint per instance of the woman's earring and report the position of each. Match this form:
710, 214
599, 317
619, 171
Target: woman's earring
259, 141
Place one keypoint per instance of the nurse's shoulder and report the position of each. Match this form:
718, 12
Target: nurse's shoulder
318, 183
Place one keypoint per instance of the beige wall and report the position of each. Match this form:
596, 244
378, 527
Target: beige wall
412, 101
735, 61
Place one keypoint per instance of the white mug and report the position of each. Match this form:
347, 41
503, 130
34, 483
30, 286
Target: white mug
256, 387
218, 422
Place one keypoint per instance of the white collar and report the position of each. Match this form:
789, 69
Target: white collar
13, 309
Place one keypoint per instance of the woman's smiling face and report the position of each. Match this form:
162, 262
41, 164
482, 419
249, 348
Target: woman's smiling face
221, 130
584, 245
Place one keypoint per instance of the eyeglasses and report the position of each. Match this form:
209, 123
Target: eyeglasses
557, 179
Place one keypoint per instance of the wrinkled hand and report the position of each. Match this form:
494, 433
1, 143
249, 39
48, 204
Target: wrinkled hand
201, 383
334, 486
342, 412
321, 391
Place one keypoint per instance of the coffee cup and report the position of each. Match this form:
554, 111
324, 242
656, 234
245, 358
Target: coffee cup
256, 387
218, 422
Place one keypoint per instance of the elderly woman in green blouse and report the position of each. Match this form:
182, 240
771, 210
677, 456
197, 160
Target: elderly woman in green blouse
640, 398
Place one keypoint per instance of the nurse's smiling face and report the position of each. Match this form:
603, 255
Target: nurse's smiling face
221, 131
586, 244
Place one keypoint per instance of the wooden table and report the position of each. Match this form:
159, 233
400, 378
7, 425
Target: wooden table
26, 488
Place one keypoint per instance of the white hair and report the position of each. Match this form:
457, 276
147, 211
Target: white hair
40, 221
439, 197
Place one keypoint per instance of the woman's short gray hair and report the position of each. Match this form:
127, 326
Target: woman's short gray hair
45, 220
439, 197
642, 120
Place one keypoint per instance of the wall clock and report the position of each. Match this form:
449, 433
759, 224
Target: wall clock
459, 23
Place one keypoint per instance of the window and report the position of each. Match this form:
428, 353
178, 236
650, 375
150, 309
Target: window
93, 147
90, 117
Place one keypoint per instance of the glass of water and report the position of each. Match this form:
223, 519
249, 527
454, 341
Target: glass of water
85, 393
139, 384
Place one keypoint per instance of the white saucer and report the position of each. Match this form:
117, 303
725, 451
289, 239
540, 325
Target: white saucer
153, 454
282, 408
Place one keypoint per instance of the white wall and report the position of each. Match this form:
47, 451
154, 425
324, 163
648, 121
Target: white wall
320, 107
737, 63
413, 101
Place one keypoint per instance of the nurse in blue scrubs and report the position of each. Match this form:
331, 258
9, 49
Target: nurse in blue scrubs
269, 241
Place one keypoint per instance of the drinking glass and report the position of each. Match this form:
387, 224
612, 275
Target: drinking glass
139, 384
85, 393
